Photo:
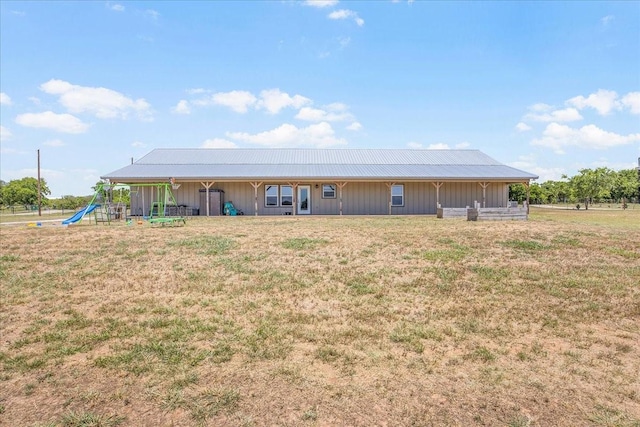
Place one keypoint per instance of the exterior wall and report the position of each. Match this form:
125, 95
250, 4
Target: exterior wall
463, 194
358, 198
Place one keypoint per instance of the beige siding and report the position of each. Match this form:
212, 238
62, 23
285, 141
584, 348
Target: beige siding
463, 194
359, 198
419, 199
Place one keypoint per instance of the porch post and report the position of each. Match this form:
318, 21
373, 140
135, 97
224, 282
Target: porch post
484, 186
294, 202
526, 184
255, 186
207, 185
437, 185
389, 185
340, 187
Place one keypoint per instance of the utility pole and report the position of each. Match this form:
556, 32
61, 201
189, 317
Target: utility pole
39, 190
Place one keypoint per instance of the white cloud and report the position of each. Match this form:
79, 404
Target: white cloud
603, 101
355, 126
557, 136
21, 173
566, 115
544, 174
522, 127
102, 102
414, 145
273, 100
115, 7
337, 107
540, 107
65, 123
35, 100
334, 112
138, 144
346, 14
182, 107
88, 175
218, 143
317, 115
196, 91
238, 100
632, 102
606, 20
320, 3
153, 14
287, 135
54, 143
439, 146
5, 134
5, 99
311, 114
462, 145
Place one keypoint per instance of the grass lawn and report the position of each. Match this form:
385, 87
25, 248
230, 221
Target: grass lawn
361, 321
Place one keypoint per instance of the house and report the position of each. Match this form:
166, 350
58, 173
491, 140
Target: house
321, 181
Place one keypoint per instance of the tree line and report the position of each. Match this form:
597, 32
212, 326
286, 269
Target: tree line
24, 192
587, 187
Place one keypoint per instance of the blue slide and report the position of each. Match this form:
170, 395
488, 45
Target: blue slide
78, 215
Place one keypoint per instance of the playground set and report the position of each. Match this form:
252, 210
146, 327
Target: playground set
102, 209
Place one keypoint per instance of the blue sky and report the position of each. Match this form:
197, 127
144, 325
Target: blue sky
547, 87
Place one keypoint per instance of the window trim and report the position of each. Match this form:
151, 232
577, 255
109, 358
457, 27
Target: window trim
282, 196
401, 187
334, 188
278, 196
266, 196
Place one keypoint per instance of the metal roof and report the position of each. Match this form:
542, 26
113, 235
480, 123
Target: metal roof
308, 164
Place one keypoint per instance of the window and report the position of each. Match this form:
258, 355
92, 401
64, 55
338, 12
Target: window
397, 195
328, 191
271, 195
278, 195
286, 195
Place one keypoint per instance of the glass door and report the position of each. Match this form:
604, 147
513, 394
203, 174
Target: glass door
304, 199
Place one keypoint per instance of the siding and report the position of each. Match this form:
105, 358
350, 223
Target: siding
463, 194
358, 198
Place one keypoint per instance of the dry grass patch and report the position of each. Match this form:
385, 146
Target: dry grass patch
324, 321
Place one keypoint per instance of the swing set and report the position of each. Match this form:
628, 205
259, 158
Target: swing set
160, 200
158, 207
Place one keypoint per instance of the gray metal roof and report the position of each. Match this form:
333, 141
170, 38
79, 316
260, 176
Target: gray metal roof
308, 164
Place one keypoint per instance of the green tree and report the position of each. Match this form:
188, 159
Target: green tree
593, 184
69, 202
112, 193
556, 191
2, 185
625, 185
517, 192
25, 192
537, 194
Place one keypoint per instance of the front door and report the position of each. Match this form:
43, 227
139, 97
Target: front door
304, 199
